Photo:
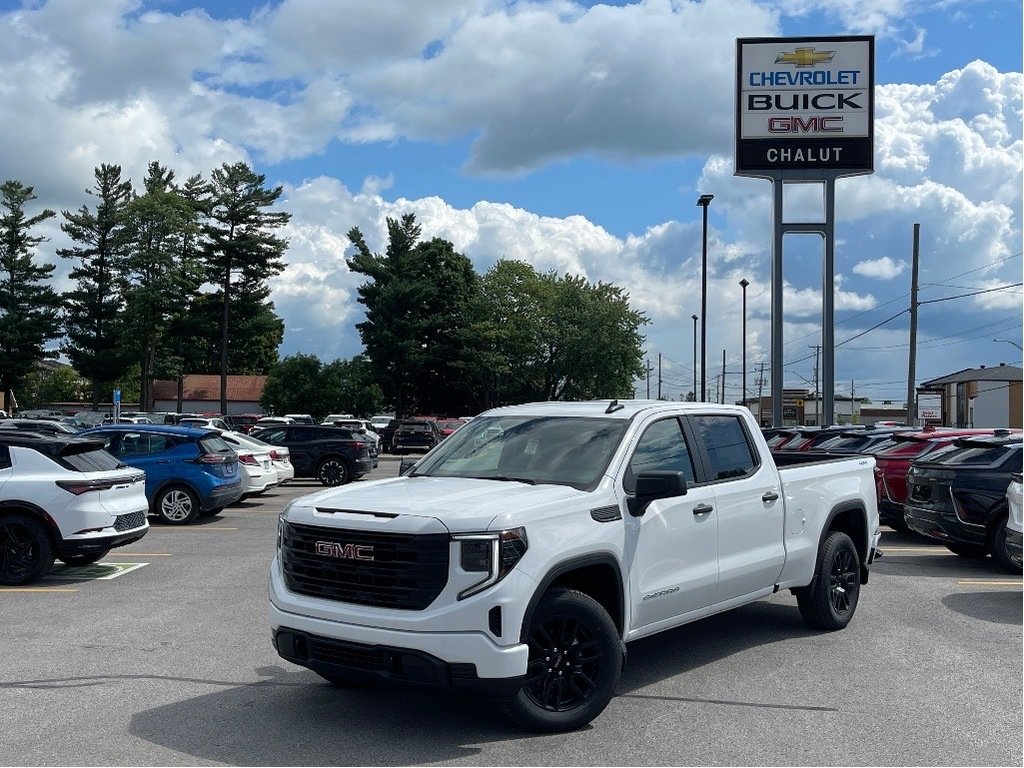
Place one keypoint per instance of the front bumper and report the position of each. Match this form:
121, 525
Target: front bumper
436, 634
362, 662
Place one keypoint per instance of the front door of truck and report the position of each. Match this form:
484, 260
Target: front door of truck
674, 566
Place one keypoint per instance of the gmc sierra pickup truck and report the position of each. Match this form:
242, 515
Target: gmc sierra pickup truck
520, 555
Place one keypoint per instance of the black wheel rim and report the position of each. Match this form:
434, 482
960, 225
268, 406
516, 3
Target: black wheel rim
19, 550
565, 664
332, 473
843, 581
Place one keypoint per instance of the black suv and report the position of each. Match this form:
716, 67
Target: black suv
958, 496
415, 435
332, 455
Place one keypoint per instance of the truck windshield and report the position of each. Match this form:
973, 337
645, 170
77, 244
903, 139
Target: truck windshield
531, 449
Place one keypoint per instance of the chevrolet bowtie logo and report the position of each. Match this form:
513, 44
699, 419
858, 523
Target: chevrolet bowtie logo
805, 57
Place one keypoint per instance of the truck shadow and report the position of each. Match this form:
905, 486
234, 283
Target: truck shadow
295, 718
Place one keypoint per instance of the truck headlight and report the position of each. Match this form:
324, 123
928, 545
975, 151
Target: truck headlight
491, 554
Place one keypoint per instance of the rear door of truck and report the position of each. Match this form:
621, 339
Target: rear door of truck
748, 504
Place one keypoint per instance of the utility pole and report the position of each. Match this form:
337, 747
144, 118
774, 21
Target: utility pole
817, 350
647, 365
659, 375
760, 390
912, 367
721, 399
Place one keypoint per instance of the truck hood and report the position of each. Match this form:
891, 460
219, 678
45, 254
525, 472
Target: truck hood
418, 504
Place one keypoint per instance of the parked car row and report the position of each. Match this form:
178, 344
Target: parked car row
953, 486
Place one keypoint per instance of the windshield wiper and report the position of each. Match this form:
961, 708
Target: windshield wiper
507, 479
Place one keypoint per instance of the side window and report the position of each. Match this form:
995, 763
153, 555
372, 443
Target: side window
662, 447
5, 457
727, 446
111, 442
275, 436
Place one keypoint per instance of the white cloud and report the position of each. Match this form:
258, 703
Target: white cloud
880, 269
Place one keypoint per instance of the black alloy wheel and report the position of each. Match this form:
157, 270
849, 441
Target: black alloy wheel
333, 471
25, 551
831, 600
574, 664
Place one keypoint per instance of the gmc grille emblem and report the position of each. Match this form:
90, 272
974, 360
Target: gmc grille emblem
344, 551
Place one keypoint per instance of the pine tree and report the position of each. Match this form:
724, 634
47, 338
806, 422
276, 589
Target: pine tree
29, 308
94, 310
240, 241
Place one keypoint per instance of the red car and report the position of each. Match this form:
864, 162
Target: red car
448, 426
892, 465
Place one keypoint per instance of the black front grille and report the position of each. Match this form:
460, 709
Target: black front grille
407, 571
127, 522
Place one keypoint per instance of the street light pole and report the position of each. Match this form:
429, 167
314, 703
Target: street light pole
694, 357
704, 201
1009, 341
743, 284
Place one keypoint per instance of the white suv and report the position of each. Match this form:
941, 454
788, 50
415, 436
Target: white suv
63, 497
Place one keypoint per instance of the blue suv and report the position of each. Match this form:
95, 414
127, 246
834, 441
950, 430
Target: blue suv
190, 471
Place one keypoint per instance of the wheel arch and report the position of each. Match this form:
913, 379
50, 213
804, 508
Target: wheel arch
19, 507
851, 518
597, 575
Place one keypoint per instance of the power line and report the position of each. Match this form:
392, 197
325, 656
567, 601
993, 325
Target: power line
973, 293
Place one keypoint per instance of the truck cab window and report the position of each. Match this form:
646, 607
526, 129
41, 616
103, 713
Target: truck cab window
662, 447
727, 446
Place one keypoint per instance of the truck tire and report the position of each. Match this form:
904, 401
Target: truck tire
999, 552
574, 664
831, 600
86, 559
26, 554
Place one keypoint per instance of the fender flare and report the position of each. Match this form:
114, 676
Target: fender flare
839, 509
18, 505
567, 566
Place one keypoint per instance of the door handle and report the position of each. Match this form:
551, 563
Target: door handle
769, 496
702, 509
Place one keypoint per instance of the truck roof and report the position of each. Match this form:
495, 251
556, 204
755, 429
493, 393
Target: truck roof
619, 409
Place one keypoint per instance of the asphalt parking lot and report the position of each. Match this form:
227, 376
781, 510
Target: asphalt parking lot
162, 656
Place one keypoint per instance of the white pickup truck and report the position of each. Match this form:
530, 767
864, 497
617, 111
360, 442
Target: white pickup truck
520, 555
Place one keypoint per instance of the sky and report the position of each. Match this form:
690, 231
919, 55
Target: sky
575, 136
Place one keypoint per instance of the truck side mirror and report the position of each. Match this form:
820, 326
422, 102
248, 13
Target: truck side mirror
651, 486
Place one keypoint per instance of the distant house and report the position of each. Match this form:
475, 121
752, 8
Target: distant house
200, 393
980, 397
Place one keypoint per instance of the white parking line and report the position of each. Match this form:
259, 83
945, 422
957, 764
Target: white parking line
36, 589
189, 528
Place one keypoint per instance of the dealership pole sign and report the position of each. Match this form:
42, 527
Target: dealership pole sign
804, 104
805, 109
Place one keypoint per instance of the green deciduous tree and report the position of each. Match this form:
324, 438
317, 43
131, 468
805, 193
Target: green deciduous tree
240, 241
560, 338
294, 386
28, 307
422, 302
94, 309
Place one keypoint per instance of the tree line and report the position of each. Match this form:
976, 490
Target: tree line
438, 338
139, 259
172, 278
